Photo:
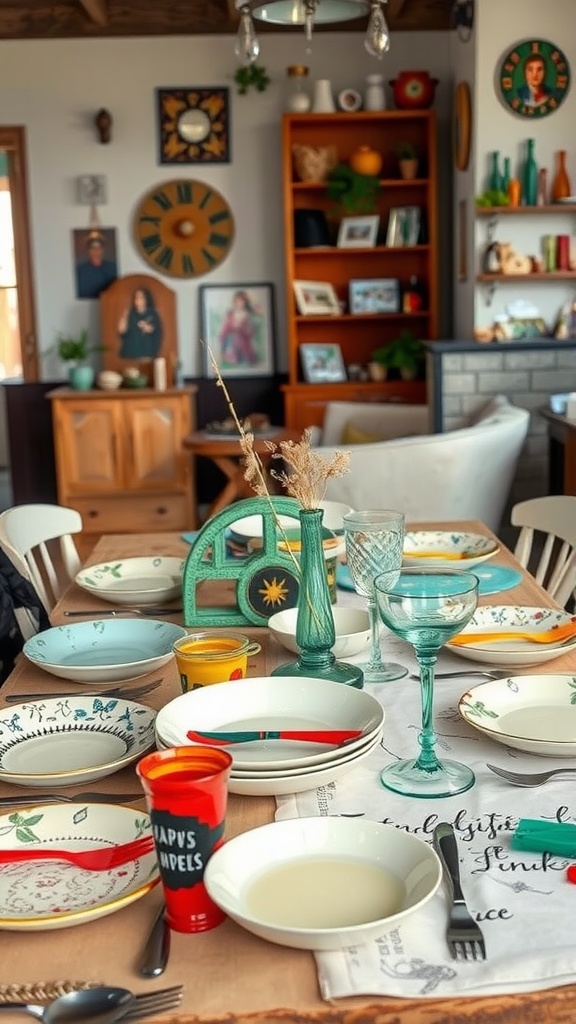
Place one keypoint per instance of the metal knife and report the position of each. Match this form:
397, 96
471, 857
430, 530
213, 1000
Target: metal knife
30, 799
157, 948
77, 612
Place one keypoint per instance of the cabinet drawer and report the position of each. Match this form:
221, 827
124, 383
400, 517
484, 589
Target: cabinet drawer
135, 513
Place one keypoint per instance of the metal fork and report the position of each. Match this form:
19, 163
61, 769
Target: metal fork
463, 672
464, 938
121, 692
148, 1003
529, 779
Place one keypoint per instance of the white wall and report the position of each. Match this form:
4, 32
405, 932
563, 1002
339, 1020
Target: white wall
55, 87
499, 27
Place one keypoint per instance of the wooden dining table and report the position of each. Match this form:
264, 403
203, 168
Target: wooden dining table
230, 974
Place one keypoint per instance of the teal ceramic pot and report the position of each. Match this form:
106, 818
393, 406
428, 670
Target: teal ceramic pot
81, 377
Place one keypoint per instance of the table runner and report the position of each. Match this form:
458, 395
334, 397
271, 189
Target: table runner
522, 901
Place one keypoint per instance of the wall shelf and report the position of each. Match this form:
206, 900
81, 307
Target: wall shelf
523, 211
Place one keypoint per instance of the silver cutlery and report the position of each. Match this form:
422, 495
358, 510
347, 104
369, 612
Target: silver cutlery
529, 779
121, 692
122, 610
462, 672
157, 948
463, 935
101, 1005
28, 799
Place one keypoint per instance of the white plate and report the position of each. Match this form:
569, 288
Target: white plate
41, 895
271, 703
134, 580
514, 652
334, 848
319, 775
104, 651
340, 757
71, 740
463, 550
532, 713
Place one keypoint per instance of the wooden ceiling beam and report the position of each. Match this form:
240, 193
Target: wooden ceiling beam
393, 8
97, 11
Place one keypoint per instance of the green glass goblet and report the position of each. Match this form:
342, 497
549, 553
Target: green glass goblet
427, 607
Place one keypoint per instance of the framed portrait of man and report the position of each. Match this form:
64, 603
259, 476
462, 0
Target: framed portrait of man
95, 264
533, 78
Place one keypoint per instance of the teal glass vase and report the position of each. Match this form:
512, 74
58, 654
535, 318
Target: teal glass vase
494, 176
530, 176
315, 633
505, 176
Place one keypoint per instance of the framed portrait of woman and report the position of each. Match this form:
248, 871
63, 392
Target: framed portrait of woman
237, 329
138, 325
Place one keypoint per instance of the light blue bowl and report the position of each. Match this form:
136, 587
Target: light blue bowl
100, 651
558, 404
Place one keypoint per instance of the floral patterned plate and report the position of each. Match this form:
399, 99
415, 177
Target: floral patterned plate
532, 713
134, 580
42, 895
448, 548
67, 741
514, 652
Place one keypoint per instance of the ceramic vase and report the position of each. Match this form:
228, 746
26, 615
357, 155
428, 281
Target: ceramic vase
505, 176
315, 632
561, 186
374, 96
494, 176
542, 196
81, 378
530, 176
323, 100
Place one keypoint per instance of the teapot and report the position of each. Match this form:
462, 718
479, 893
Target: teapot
414, 90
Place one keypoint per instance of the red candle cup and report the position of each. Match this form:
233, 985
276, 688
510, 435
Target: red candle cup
186, 792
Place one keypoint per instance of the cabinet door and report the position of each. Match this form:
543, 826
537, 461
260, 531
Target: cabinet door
154, 428
89, 446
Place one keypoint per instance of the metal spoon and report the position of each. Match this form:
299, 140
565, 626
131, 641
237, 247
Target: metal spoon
97, 1005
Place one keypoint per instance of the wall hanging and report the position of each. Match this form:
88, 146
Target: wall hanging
237, 328
533, 78
462, 126
138, 318
95, 264
193, 126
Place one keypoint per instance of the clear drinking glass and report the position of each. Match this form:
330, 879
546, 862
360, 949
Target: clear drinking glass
427, 607
374, 541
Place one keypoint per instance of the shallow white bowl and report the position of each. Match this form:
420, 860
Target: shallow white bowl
104, 651
352, 627
514, 653
532, 713
317, 852
134, 580
451, 548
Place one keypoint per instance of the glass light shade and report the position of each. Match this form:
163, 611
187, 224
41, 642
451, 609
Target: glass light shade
377, 38
247, 46
293, 12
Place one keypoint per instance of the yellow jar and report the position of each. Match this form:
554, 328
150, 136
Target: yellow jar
366, 160
212, 657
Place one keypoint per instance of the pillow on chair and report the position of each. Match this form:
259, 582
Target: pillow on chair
355, 435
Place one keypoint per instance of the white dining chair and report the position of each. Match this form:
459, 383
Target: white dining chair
546, 543
25, 535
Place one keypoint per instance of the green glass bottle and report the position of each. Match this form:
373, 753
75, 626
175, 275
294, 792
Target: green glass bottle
505, 176
530, 176
494, 176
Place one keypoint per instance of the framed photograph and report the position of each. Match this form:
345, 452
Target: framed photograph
237, 329
357, 232
316, 297
138, 323
95, 260
380, 295
322, 364
403, 226
91, 189
193, 125
533, 78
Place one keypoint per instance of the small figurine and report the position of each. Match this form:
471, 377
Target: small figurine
103, 122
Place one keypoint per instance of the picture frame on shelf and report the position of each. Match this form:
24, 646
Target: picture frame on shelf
322, 363
377, 295
404, 223
316, 298
237, 328
358, 232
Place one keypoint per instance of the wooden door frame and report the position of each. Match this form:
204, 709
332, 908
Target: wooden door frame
13, 140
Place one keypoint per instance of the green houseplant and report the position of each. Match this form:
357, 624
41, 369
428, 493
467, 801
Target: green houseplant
74, 349
405, 354
407, 156
352, 192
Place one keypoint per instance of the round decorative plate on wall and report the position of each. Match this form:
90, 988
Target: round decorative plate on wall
183, 228
462, 125
533, 78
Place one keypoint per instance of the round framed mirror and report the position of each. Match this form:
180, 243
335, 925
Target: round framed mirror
194, 125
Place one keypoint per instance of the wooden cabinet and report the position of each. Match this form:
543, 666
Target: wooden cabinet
359, 334
120, 461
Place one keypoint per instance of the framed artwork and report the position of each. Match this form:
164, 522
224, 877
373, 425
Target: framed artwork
533, 78
403, 226
322, 364
357, 232
193, 125
237, 329
316, 297
91, 189
95, 263
138, 321
381, 295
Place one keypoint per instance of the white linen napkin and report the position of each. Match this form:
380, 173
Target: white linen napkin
522, 901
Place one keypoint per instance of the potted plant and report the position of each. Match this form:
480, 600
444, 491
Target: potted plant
352, 192
405, 354
74, 349
407, 160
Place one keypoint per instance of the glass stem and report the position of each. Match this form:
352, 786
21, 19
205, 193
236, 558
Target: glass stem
427, 760
375, 660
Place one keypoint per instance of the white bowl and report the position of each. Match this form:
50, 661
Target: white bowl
322, 883
514, 653
451, 548
352, 627
532, 713
134, 580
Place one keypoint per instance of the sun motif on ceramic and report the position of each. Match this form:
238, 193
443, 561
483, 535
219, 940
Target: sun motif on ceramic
274, 591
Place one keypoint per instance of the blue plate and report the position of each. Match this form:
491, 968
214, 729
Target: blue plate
493, 578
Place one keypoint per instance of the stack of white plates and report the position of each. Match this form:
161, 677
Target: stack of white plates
266, 767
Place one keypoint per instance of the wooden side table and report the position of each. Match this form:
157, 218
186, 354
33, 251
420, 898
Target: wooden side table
562, 452
225, 452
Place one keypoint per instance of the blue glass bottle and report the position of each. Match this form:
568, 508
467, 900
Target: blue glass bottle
530, 176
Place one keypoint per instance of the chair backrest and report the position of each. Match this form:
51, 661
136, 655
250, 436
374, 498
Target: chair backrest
25, 532
346, 422
548, 538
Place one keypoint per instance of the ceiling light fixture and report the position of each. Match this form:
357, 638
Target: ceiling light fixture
463, 18
309, 13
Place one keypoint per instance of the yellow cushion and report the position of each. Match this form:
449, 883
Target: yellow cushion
355, 435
